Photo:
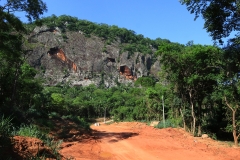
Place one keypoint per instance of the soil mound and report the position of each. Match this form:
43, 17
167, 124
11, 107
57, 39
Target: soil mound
23, 148
26, 147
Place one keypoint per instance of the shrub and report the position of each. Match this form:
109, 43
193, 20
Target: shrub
5, 127
168, 123
53, 115
79, 121
5, 133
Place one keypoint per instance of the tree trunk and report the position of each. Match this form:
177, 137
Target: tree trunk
199, 119
14, 87
88, 112
163, 113
199, 130
105, 114
234, 125
193, 115
235, 137
184, 123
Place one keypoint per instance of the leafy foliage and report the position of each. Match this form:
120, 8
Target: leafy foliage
145, 82
18, 88
5, 126
221, 16
19, 91
221, 19
130, 41
32, 8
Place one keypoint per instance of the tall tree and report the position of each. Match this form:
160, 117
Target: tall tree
192, 69
222, 17
32, 8
228, 89
11, 50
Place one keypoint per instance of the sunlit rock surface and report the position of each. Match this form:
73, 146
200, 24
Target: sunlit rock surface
71, 57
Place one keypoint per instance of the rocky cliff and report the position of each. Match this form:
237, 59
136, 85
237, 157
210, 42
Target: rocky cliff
72, 57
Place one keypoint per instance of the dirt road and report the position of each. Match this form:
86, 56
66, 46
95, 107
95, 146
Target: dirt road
137, 141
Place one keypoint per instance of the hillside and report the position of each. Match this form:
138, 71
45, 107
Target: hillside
80, 74
64, 51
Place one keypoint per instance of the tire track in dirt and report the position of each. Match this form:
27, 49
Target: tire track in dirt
115, 146
137, 141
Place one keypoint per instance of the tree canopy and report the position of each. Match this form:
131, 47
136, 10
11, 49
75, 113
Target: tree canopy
130, 41
18, 88
222, 17
32, 8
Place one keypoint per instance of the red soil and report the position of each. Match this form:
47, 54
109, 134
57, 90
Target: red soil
25, 147
137, 141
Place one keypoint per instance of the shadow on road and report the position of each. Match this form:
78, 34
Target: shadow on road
112, 136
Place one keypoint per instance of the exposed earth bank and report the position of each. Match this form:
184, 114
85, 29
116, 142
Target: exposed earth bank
137, 141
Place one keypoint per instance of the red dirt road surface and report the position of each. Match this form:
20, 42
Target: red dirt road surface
137, 141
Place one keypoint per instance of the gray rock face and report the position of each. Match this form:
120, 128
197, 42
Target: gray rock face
71, 57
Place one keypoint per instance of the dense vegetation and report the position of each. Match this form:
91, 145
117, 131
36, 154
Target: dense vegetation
129, 40
221, 17
221, 20
197, 88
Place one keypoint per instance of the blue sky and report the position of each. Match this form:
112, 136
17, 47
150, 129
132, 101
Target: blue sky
166, 19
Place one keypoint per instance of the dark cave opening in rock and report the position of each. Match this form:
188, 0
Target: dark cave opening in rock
111, 59
125, 70
53, 51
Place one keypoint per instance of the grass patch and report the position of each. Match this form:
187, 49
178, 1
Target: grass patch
29, 131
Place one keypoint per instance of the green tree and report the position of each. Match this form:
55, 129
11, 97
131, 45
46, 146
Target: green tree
228, 89
32, 8
192, 70
15, 75
221, 19
145, 82
100, 102
153, 99
57, 99
221, 16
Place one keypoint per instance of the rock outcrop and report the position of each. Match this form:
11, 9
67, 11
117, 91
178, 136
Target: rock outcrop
79, 60
60, 55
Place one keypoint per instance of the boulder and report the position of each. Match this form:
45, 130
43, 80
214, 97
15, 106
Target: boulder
154, 123
204, 136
